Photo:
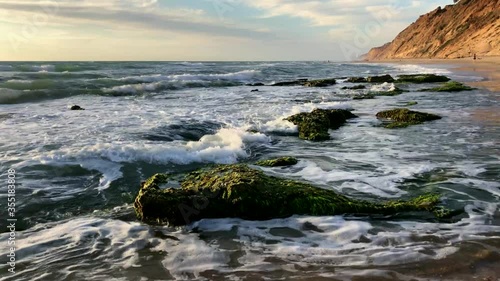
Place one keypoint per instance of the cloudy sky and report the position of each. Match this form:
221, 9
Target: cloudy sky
201, 29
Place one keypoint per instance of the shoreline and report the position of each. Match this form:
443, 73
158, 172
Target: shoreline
486, 67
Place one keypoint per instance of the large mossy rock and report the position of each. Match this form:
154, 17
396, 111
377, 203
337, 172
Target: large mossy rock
450, 87
308, 83
356, 80
357, 87
422, 78
314, 125
237, 191
320, 83
403, 117
278, 162
380, 79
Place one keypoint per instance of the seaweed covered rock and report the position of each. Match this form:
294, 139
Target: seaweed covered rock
356, 80
411, 103
422, 78
320, 83
290, 83
380, 79
364, 97
314, 125
76, 107
357, 87
403, 117
278, 162
450, 87
237, 191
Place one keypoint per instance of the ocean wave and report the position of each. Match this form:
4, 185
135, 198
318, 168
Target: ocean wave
385, 87
225, 147
412, 68
5, 67
240, 76
35, 68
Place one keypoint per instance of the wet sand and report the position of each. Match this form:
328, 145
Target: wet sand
486, 67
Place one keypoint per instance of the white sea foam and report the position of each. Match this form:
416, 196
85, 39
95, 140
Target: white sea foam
308, 107
114, 242
224, 147
242, 76
43, 68
414, 69
279, 125
16, 81
5, 67
385, 87
134, 89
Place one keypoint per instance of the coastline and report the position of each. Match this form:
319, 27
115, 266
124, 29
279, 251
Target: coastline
486, 67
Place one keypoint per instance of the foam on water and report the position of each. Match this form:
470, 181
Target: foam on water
385, 87
74, 162
413, 69
224, 147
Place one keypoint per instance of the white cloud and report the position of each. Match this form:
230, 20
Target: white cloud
137, 14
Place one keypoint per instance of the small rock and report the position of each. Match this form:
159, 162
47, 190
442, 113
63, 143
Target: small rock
403, 117
254, 90
77, 107
278, 162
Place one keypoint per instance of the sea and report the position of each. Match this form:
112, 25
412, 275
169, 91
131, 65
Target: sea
77, 172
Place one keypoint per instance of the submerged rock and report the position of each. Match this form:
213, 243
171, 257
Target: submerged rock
314, 125
380, 79
410, 103
278, 162
450, 87
237, 191
364, 97
308, 83
356, 80
403, 117
357, 87
422, 78
320, 83
254, 90
289, 83
76, 107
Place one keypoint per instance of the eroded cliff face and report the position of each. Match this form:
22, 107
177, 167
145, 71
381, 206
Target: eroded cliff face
460, 30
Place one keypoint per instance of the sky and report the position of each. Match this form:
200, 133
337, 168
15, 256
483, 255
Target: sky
201, 30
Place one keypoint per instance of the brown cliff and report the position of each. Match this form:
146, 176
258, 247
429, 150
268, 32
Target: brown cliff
461, 30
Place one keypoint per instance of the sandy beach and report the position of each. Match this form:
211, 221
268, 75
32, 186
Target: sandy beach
486, 67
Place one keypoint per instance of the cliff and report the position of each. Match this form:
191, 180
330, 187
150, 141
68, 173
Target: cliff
460, 30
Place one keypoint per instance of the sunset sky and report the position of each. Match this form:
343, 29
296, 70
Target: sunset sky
201, 29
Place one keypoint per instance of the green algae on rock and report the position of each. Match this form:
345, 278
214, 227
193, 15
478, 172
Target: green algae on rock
410, 103
308, 83
320, 83
364, 97
452, 86
237, 191
403, 117
357, 87
356, 80
314, 125
278, 162
422, 78
380, 79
